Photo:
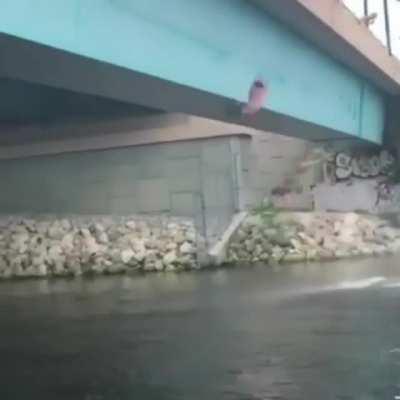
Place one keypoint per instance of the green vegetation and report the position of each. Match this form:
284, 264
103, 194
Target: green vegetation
266, 211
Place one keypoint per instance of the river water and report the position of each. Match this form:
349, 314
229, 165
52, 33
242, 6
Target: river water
329, 331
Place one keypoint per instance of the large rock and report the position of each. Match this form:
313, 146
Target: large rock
56, 231
250, 245
131, 225
116, 268
127, 255
270, 233
65, 225
73, 265
241, 235
294, 257
283, 236
42, 227
41, 270
90, 246
187, 261
170, 246
330, 243
394, 246
267, 246
170, 258
187, 248
387, 233
67, 243
102, 237
151, 262
277, 254
55, 254
179, 237
190, 235
350, 219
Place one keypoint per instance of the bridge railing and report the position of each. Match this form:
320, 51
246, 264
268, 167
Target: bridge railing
385, 26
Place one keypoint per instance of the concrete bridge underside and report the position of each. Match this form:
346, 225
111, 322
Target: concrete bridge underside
192, 57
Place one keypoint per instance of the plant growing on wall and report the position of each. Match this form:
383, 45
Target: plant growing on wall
266, 211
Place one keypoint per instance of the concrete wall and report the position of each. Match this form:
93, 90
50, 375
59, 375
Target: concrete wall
183, 178
181, 165
266, 160
270, 161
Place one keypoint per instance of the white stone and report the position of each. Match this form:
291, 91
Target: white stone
191, 235
91, 246
159, 266
171, 246
241, 235
151, 262
127, 255
258, 250
187, 248
116, 268
102, 238
186, 261
59, 269
294, 257
139, 245
337, 225
42, 228
330, 243
131, 225
365, 250
41, 270
55, 253
277, 253
347, 235
55, 231
7, 273
85, 232
73, 266
179, 237
30, 224
65, 224
380, 250
19, 242
98, 227
342, 253
169, 258
387, 233
67, 242
311, 254
39, 260
350, 219
250, 245
41, 248
394, 246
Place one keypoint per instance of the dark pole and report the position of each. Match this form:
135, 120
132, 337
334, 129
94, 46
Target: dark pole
365, 8
387, 27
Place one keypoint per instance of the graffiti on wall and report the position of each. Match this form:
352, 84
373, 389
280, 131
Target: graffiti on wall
379, 166
345, 165
326, 173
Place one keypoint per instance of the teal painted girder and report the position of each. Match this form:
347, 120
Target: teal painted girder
218, 46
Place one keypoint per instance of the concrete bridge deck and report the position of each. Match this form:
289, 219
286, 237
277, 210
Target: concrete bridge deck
328, 77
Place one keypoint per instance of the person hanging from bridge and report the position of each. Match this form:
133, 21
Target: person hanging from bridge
257, 97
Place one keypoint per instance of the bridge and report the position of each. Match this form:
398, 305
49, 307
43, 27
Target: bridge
328, 77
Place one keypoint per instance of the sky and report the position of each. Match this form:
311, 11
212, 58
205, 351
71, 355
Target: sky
378, 28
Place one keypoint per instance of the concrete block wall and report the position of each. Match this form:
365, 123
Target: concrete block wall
202, 168
181, 178
270, 160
